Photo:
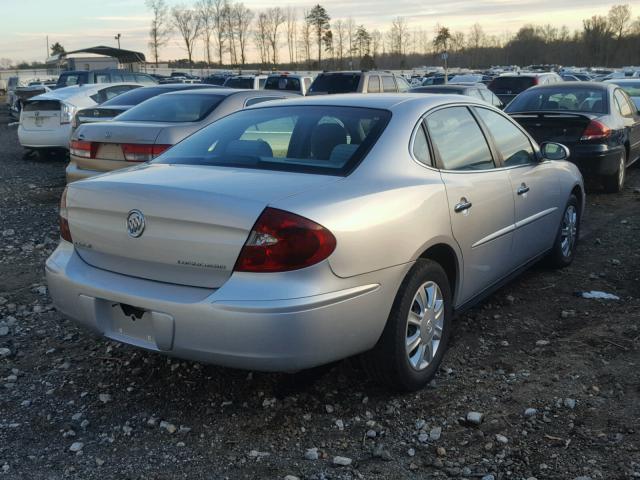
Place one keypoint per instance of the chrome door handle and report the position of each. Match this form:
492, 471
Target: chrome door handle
462, 206
522, 189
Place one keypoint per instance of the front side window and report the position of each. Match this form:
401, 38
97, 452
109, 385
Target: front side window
459, 140
173, 108
309, 139
514, 146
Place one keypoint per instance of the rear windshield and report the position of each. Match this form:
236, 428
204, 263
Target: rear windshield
511, 85
310, 139
173, 108
135, 96
215, 80
336, 83
563, 99
239, 83
282, 83
41, 105
68, 79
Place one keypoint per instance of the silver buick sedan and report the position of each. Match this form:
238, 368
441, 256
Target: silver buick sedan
295, 233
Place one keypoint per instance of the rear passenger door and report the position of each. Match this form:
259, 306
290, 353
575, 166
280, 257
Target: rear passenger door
626, 108
533, 185
478, 194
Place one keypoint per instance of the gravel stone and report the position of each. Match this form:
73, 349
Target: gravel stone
76, 447
475, 418
342, 461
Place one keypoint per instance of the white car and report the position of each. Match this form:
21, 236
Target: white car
45, 120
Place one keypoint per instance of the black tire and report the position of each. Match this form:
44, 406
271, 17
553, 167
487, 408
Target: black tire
614, 183
558, 257
387, 362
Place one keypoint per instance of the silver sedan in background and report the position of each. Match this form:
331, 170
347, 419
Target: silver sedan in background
146, 130
297, 233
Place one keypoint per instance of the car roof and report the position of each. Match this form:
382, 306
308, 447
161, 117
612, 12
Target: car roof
225, 92
433, 88
73, 90
574, 85
386, 101
525, 74
617, 81
359, 72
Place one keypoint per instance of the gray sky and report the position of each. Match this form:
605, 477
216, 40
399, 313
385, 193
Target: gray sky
82, 23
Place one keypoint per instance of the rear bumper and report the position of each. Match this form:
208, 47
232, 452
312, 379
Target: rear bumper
56, 138
596, 160
279, 334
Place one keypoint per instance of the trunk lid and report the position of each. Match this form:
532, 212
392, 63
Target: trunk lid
40, 115
561, 127
197, 218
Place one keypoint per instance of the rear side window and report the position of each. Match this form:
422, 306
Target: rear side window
335, 83
388, 84
622, 104
421, 147
256, 100
173, 108
514, 146
373, 85
310, 139
403, 85
237, 82
459, 140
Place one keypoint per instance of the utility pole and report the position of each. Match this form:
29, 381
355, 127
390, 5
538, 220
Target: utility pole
47, 50
117, 37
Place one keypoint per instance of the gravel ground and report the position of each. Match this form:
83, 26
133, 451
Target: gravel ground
538, 383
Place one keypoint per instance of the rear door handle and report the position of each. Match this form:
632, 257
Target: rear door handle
462, 206
522, 189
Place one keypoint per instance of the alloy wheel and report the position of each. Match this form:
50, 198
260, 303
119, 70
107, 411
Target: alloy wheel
425, 323
569, 230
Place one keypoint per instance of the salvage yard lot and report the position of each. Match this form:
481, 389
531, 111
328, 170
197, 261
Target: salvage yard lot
73, 406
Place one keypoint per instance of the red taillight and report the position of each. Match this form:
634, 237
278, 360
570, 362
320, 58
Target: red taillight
83, 149
536, 81
595, 131
281, 241
142, 153
65, 232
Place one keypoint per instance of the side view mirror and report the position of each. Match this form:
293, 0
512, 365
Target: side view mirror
554, 151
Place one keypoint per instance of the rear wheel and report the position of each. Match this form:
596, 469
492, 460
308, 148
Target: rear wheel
417, 332
614, 183
564, 247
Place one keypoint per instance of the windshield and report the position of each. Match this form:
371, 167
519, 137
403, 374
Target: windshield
336, 83
511, 85
173, 108
282, 83
239, 82
311, 139
563, 99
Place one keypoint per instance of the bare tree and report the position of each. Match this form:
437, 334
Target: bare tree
398, 35
229, 26
261, 38
206, 11
305, 33
275, 18
219, 26
292, 29
376, 43
243, 18
350, 26
620, 19
160, 30
340, 36
188, 24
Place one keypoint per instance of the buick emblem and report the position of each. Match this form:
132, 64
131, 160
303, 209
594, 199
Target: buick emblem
135, 223
96, 113
107, 134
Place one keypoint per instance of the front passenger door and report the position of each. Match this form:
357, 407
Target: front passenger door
534, 186
478, 195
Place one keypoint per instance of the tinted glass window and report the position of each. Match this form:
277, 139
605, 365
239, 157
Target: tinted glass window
511, 85
237, 82
632, 88
110, 92
173, 108
261, 83
311, 139
575, 99
459, 140
623, 106
388, 85
255, 100
67, 79
335, 83
403, 85
307, 83
421, 147
282, 83
145, 79
373, 85
103, 78
135, 96
514, 146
